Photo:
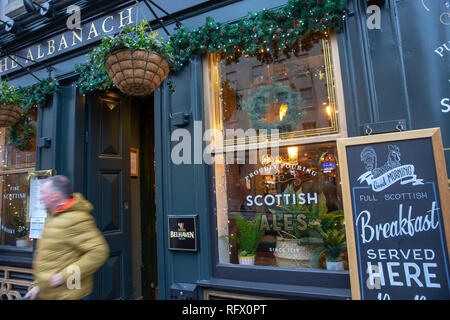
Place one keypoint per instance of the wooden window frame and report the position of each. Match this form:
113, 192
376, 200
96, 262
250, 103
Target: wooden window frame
338, 280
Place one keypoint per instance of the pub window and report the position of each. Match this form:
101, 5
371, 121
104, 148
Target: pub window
14, 167
284, 210
283, 95
278, 208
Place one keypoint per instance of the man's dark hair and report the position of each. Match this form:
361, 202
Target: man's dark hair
61, 184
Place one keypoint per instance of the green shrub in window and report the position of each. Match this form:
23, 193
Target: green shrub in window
331, 242
316, 226
249, 234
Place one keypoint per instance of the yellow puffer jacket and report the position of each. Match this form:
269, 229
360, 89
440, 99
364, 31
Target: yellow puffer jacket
71, 244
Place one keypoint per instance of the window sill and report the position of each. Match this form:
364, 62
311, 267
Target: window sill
270, 290
276, 143
283, 276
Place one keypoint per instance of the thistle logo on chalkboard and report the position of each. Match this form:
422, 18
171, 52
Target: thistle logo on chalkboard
392, 171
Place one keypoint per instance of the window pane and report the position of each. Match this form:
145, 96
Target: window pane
294, 95
12, 158
286, 209
14, 167
14, 219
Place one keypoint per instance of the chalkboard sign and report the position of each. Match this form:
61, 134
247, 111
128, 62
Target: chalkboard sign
183, 233
396, 206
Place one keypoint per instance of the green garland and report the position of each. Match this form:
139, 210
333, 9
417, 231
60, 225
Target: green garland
92, 77
262, 97
22, 133
264, 35
38, 93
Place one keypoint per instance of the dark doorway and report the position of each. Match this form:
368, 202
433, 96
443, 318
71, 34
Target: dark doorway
124, 203
108, 189
149, 276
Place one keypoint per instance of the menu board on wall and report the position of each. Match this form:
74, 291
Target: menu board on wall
36, 209
397, 215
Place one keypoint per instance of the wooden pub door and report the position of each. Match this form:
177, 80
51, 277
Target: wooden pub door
108, 189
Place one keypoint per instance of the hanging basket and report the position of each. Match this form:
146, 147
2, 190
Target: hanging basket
10, 114
136, 73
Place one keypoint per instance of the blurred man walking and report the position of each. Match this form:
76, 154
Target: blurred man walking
71, 248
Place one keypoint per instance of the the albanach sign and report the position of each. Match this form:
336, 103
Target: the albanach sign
67, 41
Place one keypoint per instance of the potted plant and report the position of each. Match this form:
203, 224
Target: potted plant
11, 100
135, 59
291, 251
21, 232
248, 239
331, 243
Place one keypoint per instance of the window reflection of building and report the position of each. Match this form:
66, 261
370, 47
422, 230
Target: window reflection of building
308, 74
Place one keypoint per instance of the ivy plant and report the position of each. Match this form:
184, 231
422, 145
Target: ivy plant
10, 95
38, 93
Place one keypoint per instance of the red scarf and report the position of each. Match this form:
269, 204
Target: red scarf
66, 205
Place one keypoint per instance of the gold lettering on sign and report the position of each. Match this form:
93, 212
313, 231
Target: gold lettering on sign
264, 223
39, 55
63, 40
288, 222
13, 63
4, 65
103, 25
107, 25
75, 35
92, 30
122, 18
51, 47
29, 56
275, 223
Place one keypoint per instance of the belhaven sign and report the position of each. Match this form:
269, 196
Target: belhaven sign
397, 215
183, 233
67, 41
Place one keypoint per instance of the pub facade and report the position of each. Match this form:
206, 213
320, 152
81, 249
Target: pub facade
220, 189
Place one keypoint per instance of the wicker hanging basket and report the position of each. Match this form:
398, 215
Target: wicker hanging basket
136, 73
9, 114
